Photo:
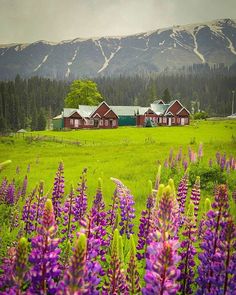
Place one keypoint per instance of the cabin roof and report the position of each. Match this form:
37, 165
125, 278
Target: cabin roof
125, 110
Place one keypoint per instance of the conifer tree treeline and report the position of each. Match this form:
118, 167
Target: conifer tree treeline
30, 103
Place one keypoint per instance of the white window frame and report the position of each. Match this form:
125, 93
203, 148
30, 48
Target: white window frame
101, 122
164, 120
106, 123
72, 122
114, 123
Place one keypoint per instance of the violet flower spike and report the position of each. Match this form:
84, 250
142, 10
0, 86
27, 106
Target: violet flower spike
81, 202
196, 195
127, 210
44, 255
58, 191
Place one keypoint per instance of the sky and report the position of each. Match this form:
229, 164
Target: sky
26, 21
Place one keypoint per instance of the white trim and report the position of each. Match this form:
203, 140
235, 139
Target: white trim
110, 110
169, 113
160, 100
73, 112
99, 107
174, 103
183, 108
96, 114
149, 109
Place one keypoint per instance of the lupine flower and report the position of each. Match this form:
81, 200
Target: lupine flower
182, 195
228, 238
202, 224
74, 280
38, 206
179, 156
158, 178
218, 158
161, 271
234, 195
145, 225
58, 191
187, 253
15, 268
132, 276
98, 224
45, 255
14, 219
196, 195
210, 280
24, 187
81, 203
112, 213
28, 213
200, 151
116, 281
3, 189
68, 213
185, 164
170, 156
166, 165
10, 194
126, 208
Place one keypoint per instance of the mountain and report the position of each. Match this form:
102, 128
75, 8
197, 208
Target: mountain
211, 42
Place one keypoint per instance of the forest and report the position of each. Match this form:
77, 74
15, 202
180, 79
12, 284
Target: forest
31, 103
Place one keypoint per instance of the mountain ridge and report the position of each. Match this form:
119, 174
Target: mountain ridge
211, 42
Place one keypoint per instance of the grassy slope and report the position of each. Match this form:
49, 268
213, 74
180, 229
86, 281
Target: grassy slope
130, 154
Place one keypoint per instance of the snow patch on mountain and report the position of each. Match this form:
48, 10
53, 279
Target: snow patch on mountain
71, 62
107, 60
44, 60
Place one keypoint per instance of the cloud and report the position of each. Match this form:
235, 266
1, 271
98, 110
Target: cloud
56, 20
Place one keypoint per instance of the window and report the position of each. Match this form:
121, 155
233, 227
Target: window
91, 122
80, 122
173, 119
114, 123
106, 122
160, 119
101, 123
71, 122
164, 120
178, 120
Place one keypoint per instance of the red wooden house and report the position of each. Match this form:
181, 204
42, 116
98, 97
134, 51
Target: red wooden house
159, 113
85, 116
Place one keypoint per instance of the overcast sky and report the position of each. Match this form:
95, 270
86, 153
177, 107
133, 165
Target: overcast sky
25, 21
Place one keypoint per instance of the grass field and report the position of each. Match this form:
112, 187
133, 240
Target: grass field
130, 154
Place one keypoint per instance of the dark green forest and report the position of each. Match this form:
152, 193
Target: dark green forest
31, 103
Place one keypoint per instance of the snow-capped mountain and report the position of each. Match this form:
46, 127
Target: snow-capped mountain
211, 42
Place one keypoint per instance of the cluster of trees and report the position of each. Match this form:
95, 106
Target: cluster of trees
30, 104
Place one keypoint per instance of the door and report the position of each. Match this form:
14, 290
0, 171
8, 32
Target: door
182, 121
76, 123
169, 121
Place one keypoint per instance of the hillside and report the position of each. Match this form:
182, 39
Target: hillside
174, 47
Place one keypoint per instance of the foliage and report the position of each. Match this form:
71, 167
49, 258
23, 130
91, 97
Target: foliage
200, 115
82, 92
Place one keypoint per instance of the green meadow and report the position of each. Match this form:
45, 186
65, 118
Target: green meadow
130, 154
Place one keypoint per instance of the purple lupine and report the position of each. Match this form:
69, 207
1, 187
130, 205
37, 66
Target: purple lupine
234, 195
24, 187
127, 211
158, 177
161, 271
10, 194
112, 213
115, 282
166, 165
210, 279
81, 202
38, 206
68, 213
58, 191
185, 164
228, 238
145, 225
44, 255
170, 156
187, 253
210, 163
98, 224
202, 223
14, 219
179, 155
218, 157
28, 213
15, 269
3, 189
196, 195
182, 195
132, 276
166, 217
200, 151
74, 280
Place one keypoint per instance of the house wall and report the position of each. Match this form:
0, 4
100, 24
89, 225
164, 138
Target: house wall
57, 124
127, 121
